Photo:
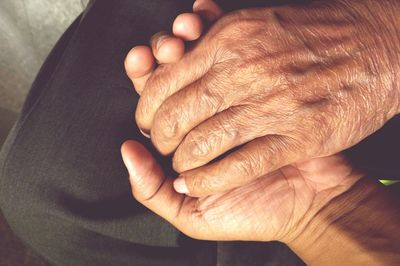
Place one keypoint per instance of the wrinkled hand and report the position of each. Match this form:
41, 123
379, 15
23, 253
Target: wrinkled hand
278, 206
290, 83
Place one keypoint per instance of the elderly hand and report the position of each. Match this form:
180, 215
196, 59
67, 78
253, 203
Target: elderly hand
288, 83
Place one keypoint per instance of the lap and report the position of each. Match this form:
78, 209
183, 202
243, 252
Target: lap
62, 179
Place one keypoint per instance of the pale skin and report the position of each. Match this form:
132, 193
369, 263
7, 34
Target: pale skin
294, 204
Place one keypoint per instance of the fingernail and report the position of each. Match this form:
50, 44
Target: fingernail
145, 134
180, 186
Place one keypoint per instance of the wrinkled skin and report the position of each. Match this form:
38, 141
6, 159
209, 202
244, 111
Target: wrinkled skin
278, 206
311, 205
291, 83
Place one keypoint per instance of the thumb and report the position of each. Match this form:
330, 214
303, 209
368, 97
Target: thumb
149, 185
152, 189
145, 175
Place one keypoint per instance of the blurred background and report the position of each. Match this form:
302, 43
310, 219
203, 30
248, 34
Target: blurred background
28, 31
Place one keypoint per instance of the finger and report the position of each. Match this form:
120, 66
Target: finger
170, 78
184, 110
166, 48
140, 61
232, 125
191, 67
149, 184
139, 64
255, 159
188, 26
152, 189
208, 10
217, 135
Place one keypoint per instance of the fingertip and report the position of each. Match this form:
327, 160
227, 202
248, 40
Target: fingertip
130, 151
171, 50
139, 62
192, 186
145, 174
180, 186
137, 158
188, 26
208, 9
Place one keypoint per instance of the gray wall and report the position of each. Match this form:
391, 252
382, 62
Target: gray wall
28, 30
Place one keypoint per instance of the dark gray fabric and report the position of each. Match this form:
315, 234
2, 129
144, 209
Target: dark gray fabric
28, 31
63, 187
7, 120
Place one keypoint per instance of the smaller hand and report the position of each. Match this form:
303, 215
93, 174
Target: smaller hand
277, 206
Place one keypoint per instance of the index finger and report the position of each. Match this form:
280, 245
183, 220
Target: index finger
255, 159
139, 64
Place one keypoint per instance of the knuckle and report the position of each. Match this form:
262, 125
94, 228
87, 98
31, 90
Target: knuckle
204, 142
209, 99
244, 23
317, 130
166, 125
198, 184
161, 76
247, 165
189, 153
198, 144
279, 146
203, 184
211, 90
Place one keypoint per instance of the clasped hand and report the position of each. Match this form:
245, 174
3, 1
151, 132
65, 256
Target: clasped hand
280, 84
